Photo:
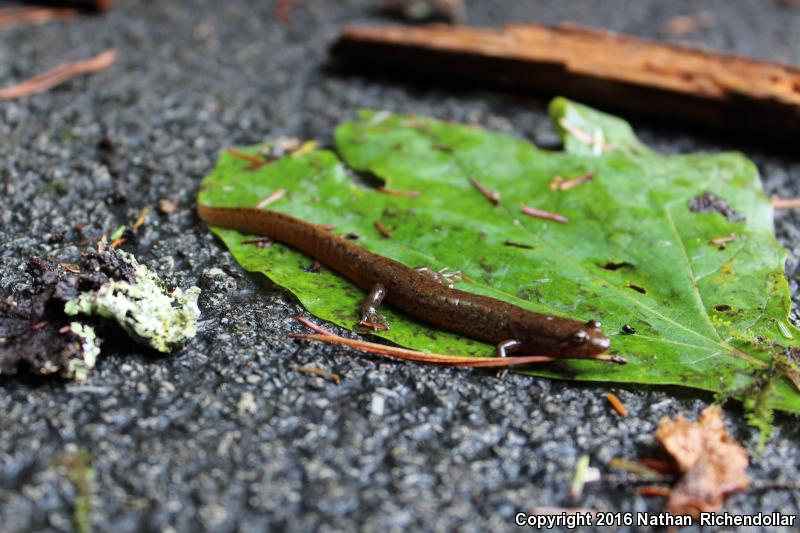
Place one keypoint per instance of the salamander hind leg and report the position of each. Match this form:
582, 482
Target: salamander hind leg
445, 276
371, 316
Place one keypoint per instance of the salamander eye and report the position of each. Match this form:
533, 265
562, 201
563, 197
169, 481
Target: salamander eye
578, 338
594, 324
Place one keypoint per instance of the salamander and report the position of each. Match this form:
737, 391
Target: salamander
420, 292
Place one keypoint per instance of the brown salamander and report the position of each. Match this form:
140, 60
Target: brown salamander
418, 293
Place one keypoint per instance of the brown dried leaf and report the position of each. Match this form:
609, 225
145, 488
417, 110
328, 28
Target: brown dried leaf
167, 206
712, 463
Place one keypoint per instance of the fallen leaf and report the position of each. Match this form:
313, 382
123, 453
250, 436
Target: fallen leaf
634, 255
167, 206
712, 464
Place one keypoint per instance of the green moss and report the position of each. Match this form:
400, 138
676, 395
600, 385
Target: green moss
77, 468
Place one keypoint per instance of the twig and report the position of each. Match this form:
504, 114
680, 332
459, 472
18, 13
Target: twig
58, 75
314, 327
682, 25
71, 268
271, 198
324, 335
785, 203
34, 15
321, 373
594, 66
653, 490
724, 240
583, 136
720, 242
491, 195
544, 215
642, 470
141, 218
422, 357
383, 230
564, 185
93, 5
660, 465
616, 404
252, 158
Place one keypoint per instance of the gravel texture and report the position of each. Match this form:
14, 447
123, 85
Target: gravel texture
226, 434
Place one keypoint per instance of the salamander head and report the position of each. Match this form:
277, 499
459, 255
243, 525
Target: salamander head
585, 341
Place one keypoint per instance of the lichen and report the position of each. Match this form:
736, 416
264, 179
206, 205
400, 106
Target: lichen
145, 309
79, 366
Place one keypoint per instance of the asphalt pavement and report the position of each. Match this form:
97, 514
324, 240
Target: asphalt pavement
226, 434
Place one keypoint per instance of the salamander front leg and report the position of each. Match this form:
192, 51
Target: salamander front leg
371, 316
444, 276
502, 350
505, 347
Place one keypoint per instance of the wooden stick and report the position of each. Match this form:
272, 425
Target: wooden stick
616, 71
544, 215
91, 5
12, 16
785, 203
58, 75
616, 404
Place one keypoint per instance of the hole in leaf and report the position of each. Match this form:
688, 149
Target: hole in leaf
613, 265
722, 307
366, 178
441, 148
518, 245
638, 288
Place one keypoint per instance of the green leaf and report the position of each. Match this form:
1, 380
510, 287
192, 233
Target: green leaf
632, 253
